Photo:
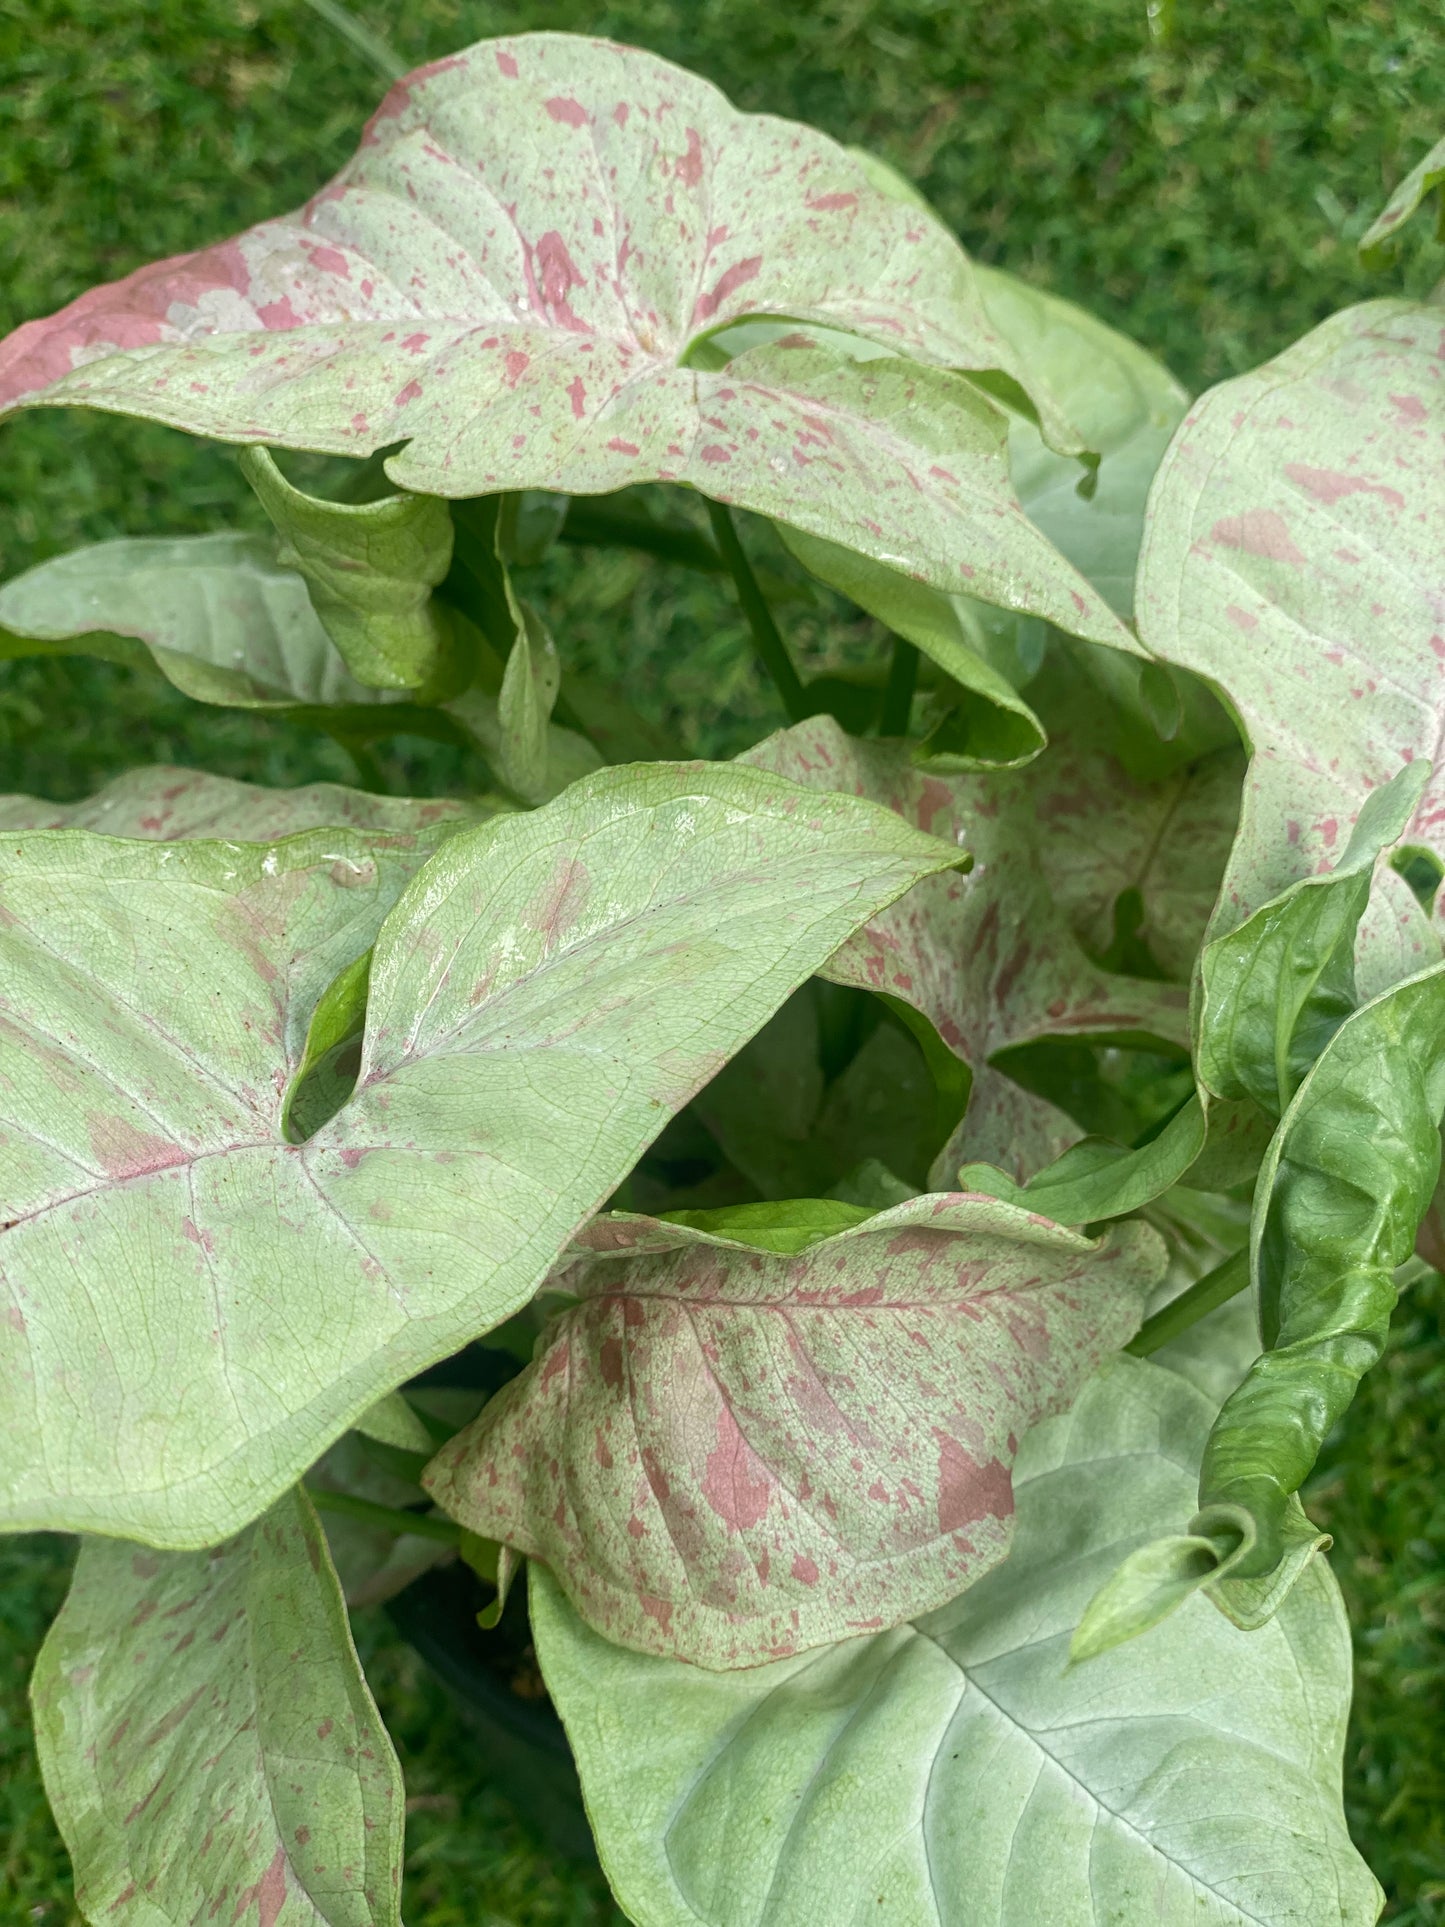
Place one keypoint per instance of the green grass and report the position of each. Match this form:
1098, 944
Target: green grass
1203, 193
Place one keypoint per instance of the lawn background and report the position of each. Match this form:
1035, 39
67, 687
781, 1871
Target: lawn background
1200, 186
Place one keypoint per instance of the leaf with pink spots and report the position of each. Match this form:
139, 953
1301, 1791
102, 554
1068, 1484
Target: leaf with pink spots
1293, 559
192, 1304
208, 1739
728, 1455
1006, 955
519, 277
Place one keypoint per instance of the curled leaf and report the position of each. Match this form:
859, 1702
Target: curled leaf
728, 1453
1379, 241
370, 568
1349, 1177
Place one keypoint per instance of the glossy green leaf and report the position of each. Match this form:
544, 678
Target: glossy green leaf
1274, 991
516, 280
168, 804
952, 1773
1095, 1179
1004, 955
370, 568
208, 1740
524, 708
1291, 561
728, 1455
1350, 1176
1379, 241
549, 990
784, 1228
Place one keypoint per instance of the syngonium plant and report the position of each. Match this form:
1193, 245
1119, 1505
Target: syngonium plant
852, 1147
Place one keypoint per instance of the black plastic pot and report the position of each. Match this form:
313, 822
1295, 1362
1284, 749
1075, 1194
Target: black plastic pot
524, 1748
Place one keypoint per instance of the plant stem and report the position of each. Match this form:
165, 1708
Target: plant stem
369, 45
1215, 1288
390, 1518
898, 696
772, 650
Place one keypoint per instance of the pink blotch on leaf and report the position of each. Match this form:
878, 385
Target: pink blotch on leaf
1241, 618
1329, 485
805, 1570
407, 394
738, 1498
968, 1491
507, 64
124, 1152
1261, 532
688, 166
728, 283
577, 395
571, 113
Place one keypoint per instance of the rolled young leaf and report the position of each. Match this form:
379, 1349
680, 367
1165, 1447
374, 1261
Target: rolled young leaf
1349, 1177
1274, 991
208, 1740
953, 1771
196, 1306
728, 1455
370, 568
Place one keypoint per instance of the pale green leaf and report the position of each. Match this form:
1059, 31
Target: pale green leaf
1291, 561
208, 1740
558, 348
550, 989
951, 1773
370, 568
394, 1422
728, 1454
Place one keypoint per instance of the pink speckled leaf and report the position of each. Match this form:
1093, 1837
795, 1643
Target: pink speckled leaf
509, 279
1003, 956
208, 1741
1293, 558
168, 804
192, 1307
727, 1455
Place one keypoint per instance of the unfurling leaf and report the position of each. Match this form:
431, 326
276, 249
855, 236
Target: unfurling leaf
728, 1455
953, 1768
557, 347
370, 568
1291, 560
1349, 1177
208, 1739
1275, 990
1379, 241
548, 991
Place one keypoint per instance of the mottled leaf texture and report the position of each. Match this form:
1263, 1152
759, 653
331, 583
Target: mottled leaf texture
728, 1455
508, 279
1002, 956
194, 1305
1292, 558
1350, 1175
951, 1773
208, 1741
1379, 241
370, 568
169, 804
1274, 991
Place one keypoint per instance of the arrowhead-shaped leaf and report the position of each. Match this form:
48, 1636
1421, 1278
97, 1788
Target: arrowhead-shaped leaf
1002, 956
197, 1306
1291, 560
729, 1455
168, 804
208, 1740
509, 279
953, 1772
